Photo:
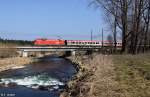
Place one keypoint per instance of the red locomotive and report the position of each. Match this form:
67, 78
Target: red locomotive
48, 42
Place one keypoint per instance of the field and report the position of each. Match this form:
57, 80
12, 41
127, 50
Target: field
133, 74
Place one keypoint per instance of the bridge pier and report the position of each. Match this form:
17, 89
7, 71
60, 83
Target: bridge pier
73, 53
24, 54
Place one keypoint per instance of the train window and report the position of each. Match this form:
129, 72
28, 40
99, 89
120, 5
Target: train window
97, 43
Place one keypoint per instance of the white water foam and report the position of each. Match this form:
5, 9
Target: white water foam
33, 81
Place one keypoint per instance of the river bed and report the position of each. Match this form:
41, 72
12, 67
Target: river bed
40, 79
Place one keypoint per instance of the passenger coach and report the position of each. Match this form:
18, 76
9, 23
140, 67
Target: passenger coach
83, 42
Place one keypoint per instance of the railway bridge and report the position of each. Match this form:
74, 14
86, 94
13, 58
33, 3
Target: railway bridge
24, 50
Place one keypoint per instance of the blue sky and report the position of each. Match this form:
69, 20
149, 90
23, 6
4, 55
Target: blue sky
31, 19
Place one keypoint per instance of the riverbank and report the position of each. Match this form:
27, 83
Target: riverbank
15, 62
95, 78
110, 76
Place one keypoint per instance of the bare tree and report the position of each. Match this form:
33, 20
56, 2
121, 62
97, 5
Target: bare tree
132, 17
118, 9
146, 17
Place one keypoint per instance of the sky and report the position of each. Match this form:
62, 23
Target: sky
52, 19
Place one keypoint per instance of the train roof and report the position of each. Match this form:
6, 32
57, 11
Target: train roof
76, 40
89, 41
47, 39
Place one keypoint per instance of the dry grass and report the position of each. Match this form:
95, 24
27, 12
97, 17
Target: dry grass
9, 58
7, 52
133, 74
104, 84
111, 76
13, 63
96, 78
103, 81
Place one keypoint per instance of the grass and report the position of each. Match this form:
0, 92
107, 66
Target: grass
15, 62
133, 74
112, 76
94, 79
4, 53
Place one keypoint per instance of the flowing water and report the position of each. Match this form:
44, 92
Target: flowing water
41, 79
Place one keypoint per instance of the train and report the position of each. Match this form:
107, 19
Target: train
48, 42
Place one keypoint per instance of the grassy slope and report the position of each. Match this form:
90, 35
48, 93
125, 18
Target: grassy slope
14, 63
9, 57
112, 76
10, 52
96, 78
7, 52
133, 74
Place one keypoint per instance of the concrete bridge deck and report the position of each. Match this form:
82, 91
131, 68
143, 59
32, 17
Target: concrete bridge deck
57, 48
23, 50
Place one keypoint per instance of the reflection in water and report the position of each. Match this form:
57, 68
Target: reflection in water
49, 74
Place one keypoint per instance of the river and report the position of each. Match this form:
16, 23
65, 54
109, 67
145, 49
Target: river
40, 79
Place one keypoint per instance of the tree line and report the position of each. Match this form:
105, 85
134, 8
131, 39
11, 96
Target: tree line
132, 19
16, 42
